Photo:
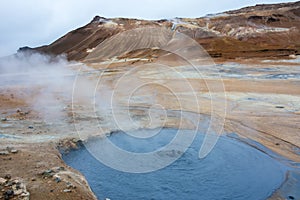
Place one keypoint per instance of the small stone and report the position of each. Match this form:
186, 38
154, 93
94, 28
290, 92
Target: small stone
3, 119
18, 110
2, 181
14, 151
4, 153
25, 195
67, 191
9, 193
60, 169
57, 179
48, 173
19, 185
18, 192
51, 190
33, 179
69, 185
9, 184
7, 176
30, 127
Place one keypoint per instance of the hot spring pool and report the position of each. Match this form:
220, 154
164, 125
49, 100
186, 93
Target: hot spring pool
233, 171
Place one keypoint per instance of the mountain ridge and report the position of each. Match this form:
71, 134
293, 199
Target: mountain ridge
263, 30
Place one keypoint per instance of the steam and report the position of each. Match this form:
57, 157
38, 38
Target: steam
151, 95
44, 82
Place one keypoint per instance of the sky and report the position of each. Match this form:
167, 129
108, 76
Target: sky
40, 22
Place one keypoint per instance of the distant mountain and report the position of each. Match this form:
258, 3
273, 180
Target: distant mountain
257, 31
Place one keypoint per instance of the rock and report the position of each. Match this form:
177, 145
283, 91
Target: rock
18, 192
48, 173
9, 193
67, 191
74, 140
30, 127
20, 186
293, 56
7, 176
9, 184
57, 179
18, 110
24, 196
4, 152
14, 151
2, 181
70, 185
61, 169
17, 188
3, 119
33, 179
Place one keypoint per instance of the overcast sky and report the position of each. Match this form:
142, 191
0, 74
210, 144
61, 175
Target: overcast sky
39, 22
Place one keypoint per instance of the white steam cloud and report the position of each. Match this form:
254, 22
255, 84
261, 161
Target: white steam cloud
44, 82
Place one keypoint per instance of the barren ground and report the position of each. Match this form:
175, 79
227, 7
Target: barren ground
262, 104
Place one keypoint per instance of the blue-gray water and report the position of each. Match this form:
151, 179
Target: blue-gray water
233, 171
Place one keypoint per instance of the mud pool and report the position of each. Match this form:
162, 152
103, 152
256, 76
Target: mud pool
233, 170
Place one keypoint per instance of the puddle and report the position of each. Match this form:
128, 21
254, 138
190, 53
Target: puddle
284, 76
9, 136
233, 170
